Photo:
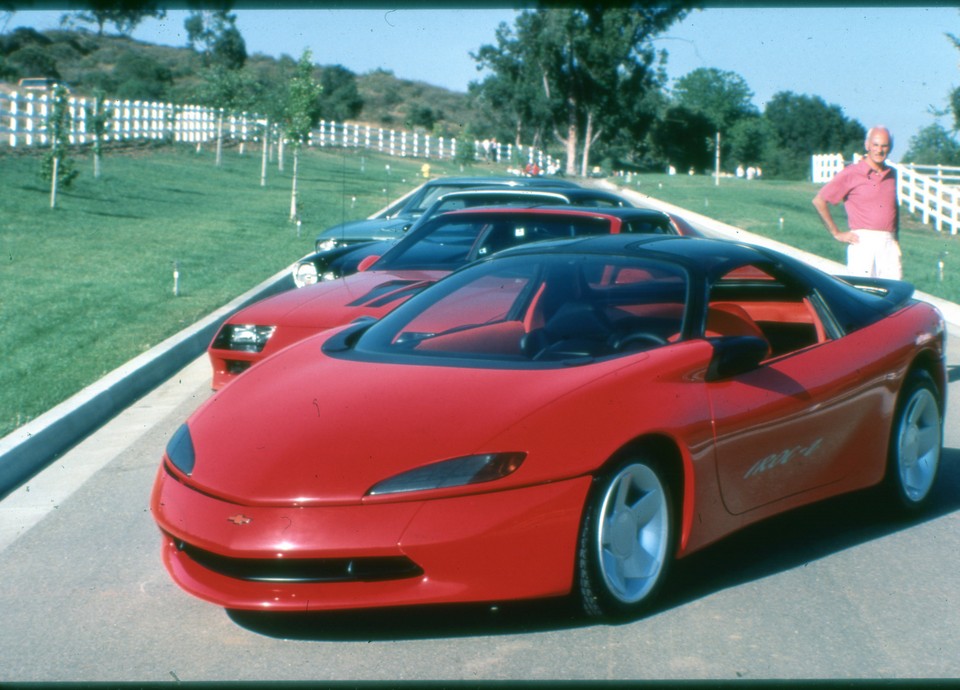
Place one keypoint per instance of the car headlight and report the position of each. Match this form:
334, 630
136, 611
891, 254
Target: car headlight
470, 469
243, 337
305, 273
180, 450
326, 245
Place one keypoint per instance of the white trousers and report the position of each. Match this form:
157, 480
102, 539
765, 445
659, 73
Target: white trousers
876, 255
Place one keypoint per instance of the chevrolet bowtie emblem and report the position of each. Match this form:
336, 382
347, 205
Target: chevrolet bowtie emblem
239, 519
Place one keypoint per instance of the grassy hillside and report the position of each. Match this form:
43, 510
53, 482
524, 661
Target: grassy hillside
125, 68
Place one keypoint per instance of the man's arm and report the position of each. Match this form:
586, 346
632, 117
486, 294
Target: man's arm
823, 210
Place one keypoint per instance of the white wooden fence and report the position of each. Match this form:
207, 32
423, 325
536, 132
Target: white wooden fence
24, 116
929, 190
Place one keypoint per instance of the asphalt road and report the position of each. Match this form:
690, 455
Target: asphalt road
839, 590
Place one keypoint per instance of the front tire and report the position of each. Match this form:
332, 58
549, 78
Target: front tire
626, 540
916, 441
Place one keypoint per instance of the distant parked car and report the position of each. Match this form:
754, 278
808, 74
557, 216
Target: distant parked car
346, 260
393, 221
343, 260
439, 246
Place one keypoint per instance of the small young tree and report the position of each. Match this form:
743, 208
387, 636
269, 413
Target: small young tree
56, 166
98, 121
300, 115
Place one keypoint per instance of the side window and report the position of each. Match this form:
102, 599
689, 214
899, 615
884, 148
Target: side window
750, 300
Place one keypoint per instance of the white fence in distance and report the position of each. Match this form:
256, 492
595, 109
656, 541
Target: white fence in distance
929, 190
24, 117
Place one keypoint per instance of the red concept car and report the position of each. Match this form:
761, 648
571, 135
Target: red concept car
429, 252
563, 418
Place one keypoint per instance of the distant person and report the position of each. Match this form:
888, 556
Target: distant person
868, 190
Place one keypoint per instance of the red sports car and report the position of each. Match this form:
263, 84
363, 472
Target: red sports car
433, 250
563, 418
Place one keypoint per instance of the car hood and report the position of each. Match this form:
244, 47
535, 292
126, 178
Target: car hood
335, 302
305, 428
367, 229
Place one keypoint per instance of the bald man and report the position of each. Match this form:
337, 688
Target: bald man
868, 190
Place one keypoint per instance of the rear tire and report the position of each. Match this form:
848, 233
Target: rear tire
626, 540
916, 441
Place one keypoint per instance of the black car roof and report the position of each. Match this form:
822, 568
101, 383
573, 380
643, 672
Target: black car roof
510, 180
552, 210
852, 306
701, 252
571, 194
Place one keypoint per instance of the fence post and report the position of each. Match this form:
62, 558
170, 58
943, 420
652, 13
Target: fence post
14, 103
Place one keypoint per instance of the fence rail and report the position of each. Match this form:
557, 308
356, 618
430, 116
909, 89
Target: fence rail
24, 118
929, 190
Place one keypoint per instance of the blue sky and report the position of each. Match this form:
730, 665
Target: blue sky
887, 65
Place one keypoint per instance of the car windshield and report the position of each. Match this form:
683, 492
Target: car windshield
430, 195
545, 307
448, 242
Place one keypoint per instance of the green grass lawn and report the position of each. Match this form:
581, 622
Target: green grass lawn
89, 285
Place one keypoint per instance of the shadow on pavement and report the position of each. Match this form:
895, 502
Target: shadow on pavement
776, 545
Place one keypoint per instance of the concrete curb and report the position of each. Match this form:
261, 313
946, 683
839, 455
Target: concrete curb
950, 311
33, 446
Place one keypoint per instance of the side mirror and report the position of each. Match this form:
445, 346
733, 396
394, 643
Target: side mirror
734, 355
367, 262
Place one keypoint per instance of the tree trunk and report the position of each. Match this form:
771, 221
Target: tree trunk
219, 158
589, 138
53, 182
571, 144
585, 161
293, 194
263, 154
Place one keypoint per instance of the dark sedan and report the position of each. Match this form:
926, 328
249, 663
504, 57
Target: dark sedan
393, 221
344, 259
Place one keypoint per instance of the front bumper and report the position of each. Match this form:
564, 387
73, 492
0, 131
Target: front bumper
495, 546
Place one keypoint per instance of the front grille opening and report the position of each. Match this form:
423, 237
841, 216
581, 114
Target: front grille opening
304, 570
237, 366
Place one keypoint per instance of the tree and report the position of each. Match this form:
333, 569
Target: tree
933, 145
802, 126
233, 90
683, 138
215, 35
512, 95
301, 114
56, 166
341, 99
33, 60
722, 97
749, 140
579, 68
139, 77
98, 122
954, 95
124, 16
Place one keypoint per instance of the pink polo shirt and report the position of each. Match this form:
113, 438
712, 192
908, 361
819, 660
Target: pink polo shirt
870, 197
